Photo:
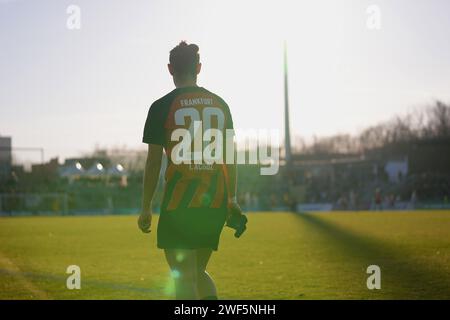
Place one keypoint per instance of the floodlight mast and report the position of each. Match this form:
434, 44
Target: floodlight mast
289, 174
287, 133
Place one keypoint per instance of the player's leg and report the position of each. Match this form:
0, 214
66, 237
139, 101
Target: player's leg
205, 284
183, 264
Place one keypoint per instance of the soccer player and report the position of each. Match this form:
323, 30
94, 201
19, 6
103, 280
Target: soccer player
198, 197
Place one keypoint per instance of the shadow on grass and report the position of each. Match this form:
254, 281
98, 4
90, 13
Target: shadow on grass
412, 278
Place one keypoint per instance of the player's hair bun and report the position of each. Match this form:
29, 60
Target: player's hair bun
184, 46
193, 47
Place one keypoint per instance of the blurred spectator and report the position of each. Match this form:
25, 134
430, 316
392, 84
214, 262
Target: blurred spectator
378, 200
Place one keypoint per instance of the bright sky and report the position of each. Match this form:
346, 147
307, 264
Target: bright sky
68, 90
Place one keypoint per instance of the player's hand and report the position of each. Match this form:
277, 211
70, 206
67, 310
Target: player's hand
236, 219
145, 221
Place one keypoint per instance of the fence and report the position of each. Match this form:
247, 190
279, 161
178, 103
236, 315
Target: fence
33, 203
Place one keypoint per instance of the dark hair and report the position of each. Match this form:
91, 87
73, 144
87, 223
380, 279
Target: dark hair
184, 59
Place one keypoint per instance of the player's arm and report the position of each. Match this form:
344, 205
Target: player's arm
233, 206
236, 219
232, 182
231, 164
151, 178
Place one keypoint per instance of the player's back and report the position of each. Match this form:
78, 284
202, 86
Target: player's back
190, 123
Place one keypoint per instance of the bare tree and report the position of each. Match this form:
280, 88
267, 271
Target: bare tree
433, 122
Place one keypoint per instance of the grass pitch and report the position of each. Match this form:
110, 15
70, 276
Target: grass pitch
281, 256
